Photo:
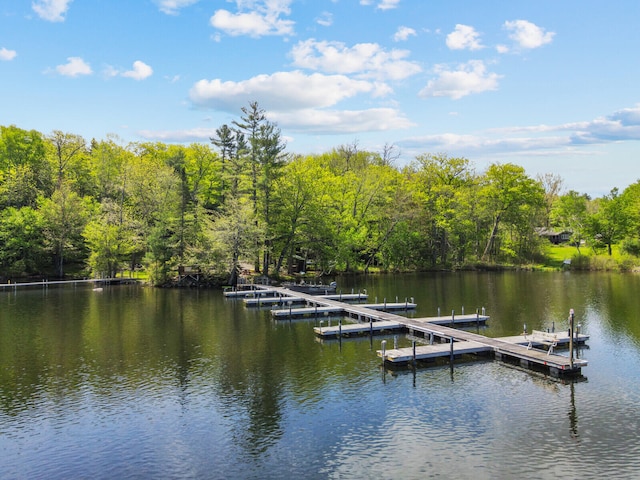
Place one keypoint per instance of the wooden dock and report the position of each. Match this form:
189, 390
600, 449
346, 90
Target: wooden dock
337, 309
285, 301
436, 333
48, 283
443, 350
393, 325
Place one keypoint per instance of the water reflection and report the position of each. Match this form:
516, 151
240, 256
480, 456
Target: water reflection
165, 383
573, 412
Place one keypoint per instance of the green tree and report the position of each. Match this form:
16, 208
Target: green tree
511, 198
445, 189
64, 218
265, 148
24, 171
226, 141
110, 238
21, 249
68, 157
570, 211
610, 221
234, 236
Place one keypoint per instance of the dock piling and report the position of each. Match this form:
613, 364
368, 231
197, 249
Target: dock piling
384, 348
571, 318
451, 354
414, 353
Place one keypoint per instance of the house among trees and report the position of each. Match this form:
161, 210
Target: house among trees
555, 236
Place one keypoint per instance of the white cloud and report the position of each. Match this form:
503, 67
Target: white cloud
528, 35
382, 4
179, 136
342, 121
468, 78
7, 55
537, 140
51, 10
367, 60
468, 144
325, 19
171, 7
403, 33
464, 37
74, 67
260, 18
619, 126
140, 71
312, 121
282, 91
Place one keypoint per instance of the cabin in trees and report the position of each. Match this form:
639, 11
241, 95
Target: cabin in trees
555, 236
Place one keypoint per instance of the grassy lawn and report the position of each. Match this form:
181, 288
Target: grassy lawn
588, 260
557, 254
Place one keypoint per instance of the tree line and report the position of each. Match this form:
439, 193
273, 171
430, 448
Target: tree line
68, 206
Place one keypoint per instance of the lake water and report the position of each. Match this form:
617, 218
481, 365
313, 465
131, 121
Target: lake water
135, 382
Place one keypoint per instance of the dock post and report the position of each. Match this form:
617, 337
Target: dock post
451, 354
384, 350
371, 326
414, 353
571, 317
483, 312
430, 338
462, 309
406, 304
385, 304
438, 311
477, 317
453, 312
553, 327
316, 312
395, 342
340, 328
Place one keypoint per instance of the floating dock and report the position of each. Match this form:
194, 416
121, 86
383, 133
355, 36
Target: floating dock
440, 338
443, 350
48, 283
337, 310
285, 301
393, 325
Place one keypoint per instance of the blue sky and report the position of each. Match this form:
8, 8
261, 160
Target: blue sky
549, 85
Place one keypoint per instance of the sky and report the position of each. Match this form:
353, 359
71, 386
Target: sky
552, 86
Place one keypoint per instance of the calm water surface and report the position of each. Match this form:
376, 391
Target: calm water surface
135, 382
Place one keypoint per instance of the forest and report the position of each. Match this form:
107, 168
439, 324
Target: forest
72, 208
